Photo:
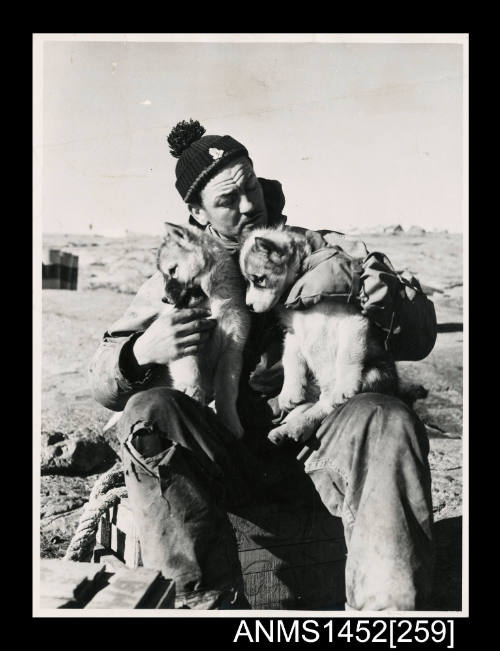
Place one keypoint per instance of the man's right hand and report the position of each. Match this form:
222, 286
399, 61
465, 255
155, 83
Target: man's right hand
173, 335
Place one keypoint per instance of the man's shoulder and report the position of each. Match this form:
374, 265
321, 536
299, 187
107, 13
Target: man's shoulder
144, 308
323, 237
353, 247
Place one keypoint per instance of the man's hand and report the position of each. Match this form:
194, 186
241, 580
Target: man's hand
173, 335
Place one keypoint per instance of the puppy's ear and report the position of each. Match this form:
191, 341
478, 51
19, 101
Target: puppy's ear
183, 236
175, 230
268, 246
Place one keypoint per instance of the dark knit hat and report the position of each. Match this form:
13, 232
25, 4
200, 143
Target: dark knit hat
199, 156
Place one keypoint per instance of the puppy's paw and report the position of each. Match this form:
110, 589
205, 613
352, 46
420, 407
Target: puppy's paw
288, 400
343, 394
338, 399
296, 429
277, 436
299, 429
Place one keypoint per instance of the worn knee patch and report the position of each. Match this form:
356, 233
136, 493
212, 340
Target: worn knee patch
148, 441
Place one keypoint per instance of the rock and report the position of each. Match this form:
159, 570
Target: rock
375, 229
442, 411
77, 453
56, 533
63, 493
429, 290
62, 500
62, 526
416, 230
393, 229
445, 460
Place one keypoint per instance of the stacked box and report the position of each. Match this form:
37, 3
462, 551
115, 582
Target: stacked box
69, 584
59, 270
292, 558
51, 269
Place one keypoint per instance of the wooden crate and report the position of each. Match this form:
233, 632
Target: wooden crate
117, 533
59, 269
67, 584
291, 558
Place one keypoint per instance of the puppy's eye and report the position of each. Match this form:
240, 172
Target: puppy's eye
172, 271
259, 281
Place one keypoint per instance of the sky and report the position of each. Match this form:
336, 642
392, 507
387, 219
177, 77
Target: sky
358, 134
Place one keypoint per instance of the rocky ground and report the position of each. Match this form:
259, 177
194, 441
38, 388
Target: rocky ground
74, 451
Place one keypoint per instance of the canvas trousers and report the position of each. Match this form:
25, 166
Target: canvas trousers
367, 464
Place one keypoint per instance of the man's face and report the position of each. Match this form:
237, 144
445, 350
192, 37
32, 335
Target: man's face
232, 201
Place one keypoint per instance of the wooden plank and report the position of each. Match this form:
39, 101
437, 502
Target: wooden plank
292, 555
124, 541
50, 276
104, 556
51, 269
161, 595
59, 269
69, 581
287, 555
167, 600
313, 587
53, 602
275, 527
122, 516
137, 588
118, 541
65, 270
69, 270
54, 256
74, 273
103, 536
126, 546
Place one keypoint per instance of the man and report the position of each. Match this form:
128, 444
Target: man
184, 473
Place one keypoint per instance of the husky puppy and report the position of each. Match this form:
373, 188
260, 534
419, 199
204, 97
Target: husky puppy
199, 272
330, 345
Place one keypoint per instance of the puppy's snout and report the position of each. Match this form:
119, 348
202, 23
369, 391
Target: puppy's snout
174, 292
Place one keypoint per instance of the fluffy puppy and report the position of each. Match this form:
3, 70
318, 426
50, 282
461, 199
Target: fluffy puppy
331, 350
198, 271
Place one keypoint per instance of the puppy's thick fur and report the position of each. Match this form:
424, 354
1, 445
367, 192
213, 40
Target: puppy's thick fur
331, 350
198, 271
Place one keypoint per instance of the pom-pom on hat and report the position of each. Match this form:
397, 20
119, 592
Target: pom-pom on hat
199, 156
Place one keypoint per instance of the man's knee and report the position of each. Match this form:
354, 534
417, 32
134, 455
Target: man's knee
374, 420
143, 403
396, 425
146, 414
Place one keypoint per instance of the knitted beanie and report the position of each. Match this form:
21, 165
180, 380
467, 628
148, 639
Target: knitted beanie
200, 157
